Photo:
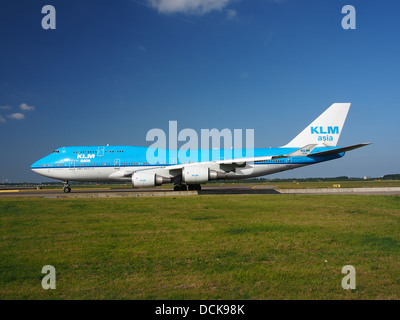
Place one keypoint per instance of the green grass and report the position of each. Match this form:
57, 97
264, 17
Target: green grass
201, 247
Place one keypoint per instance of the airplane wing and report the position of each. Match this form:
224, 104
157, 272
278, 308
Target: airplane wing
230, 164
227, 164
338, 150
241, 162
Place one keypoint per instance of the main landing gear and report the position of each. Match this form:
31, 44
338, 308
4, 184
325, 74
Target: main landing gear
184, 187
194, 187
67, 188
180, 187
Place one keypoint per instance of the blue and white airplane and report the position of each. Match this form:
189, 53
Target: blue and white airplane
316, 143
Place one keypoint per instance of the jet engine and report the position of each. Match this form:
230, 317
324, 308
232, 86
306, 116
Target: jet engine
197, 175
146, 179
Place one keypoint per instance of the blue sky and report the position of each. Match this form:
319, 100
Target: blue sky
113, 70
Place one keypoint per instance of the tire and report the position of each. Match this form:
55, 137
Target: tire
67, 189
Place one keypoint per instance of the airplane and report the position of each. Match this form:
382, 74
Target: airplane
315, 144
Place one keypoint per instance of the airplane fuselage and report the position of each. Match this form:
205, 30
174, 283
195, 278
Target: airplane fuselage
148, 167
110, 163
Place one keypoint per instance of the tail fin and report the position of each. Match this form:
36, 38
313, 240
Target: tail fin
325, 130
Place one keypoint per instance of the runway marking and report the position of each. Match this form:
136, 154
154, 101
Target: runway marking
9, 190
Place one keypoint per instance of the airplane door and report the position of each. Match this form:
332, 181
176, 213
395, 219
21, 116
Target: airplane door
116, 164
100, 151
289, 162
71, 165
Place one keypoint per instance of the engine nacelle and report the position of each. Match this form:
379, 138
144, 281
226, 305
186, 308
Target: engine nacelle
145, 180
197, 175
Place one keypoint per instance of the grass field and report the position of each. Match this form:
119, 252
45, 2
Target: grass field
201, 247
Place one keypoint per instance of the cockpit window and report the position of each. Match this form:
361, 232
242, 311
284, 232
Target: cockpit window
56, 151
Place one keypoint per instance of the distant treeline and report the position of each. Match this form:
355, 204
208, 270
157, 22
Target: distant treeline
391, 177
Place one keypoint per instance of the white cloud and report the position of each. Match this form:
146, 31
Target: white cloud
2, 119
25, 107
5, 107
231, 14
16, 116
188, 6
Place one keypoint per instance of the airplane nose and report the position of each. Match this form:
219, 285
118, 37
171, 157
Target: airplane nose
33, 165
37, 167
34, 169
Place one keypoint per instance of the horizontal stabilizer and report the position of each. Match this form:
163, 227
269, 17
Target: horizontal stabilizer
338, 150
302, 152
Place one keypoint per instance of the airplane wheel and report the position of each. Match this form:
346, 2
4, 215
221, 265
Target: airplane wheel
67, 189
194, 187
181, 187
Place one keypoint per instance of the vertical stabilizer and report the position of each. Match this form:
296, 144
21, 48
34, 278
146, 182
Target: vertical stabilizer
325, 130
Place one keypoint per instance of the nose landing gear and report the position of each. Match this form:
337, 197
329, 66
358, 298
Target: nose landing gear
67, 188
